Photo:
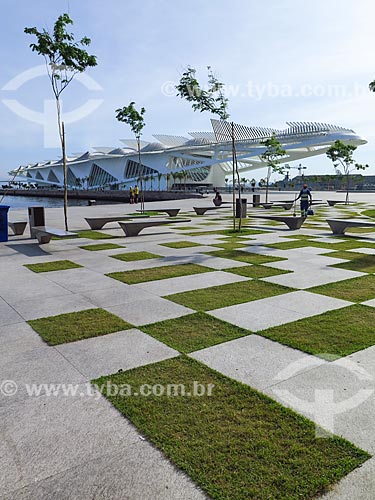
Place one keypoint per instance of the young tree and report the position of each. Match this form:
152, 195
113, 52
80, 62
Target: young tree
133, 118
167, 177
160, 175
213, 101
253, 183
372, 86
342, 154
64, 58
272, 156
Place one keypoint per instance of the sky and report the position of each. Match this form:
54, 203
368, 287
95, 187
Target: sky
281, 60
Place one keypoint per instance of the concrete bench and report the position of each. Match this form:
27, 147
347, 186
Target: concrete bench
339, 226
292, 222
133, 228
332, 203
18, 227
99, 222
286, 206
172, 212
45, 233
203, 210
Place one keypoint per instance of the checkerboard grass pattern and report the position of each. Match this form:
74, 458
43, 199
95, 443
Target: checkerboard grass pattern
363, 264
101, 246
194, 332
257, 271
133, 256
79, 325
340, 332
242, 256
158, 273
358, 289
217, 297
236, 443
57, 265
180, 244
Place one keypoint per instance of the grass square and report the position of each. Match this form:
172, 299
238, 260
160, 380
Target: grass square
288, 245
363, 264
235, 443
180, 244
57, 265
158, 273
257, 271
249, 257
216, 297
194, 332
354, 290
132, 256
184, 228
344, 254
101, 246
77, 326
95, 235
232, 244
340, 332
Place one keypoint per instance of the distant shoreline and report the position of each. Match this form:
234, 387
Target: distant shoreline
114, 196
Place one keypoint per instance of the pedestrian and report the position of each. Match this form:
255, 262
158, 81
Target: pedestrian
306, 199
218, 199
131, 195
136, 194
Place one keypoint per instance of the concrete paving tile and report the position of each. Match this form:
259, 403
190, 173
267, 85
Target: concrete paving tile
313, 277
369, 251
256, 315
121, 350
47, 435
254, 360
192, 282
358, 485
118, 294
117, 476
37, 289
217, 263
150, 310
338, 396
37, 365
80, 280
51, 306
19, 337
272, 311
8, 315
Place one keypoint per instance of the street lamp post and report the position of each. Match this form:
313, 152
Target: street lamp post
300, 169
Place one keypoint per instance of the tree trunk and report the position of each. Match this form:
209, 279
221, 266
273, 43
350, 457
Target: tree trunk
65, 178
347, 189
233, 179
267, 183
142, 197
61, 128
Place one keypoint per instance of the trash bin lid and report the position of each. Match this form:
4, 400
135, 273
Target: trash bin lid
4, 206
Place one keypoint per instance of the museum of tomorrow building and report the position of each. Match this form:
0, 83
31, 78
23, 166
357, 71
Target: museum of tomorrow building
203, 160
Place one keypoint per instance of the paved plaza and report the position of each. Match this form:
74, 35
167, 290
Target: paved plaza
59, 447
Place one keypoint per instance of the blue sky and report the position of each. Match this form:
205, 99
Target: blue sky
268, 54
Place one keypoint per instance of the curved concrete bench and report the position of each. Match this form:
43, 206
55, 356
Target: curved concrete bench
203, 210
339, 226
332, 203
133, 228
292, 222
285, 206
172, 212
99, 222
18, 227
45, 233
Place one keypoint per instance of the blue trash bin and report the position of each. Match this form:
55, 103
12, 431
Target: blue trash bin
4, 222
